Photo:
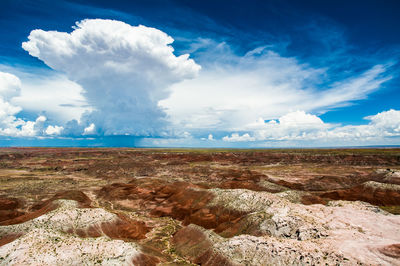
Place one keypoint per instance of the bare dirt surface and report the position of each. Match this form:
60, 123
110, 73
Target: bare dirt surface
72, 206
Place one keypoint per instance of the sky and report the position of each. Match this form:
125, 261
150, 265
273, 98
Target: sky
235, 74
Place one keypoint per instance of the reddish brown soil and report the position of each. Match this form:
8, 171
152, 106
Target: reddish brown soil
9, 203
31, 215
44, 207
309, 199
79, 196
194, 245
123, 228
376, 196
9, 208
8, 238
145, 260
391, 251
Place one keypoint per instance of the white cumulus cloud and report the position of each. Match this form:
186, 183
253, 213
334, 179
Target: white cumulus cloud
300, 126
290, 125
89, 130
389, 121
10, 124
235, 137
10, 86
53, 130
124, 71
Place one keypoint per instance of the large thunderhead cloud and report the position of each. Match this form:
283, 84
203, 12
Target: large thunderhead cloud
124, 70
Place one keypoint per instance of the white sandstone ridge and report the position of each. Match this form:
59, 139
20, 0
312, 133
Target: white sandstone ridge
343, 232
44, 240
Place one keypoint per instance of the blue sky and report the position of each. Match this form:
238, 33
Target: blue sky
199, 73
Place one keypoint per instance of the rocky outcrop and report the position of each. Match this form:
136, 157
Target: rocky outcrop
179, 200
43, 240
376, 193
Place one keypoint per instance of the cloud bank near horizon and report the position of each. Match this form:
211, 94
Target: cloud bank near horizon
298, 126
